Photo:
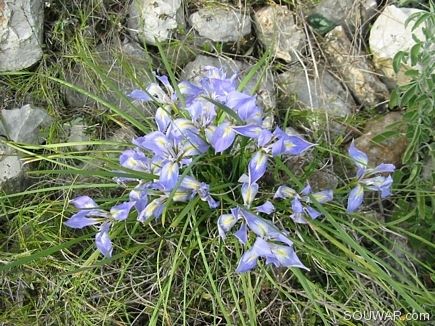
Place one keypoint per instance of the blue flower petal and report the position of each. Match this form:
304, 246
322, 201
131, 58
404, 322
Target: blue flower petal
286, 256
249, 191
225, 223
257, 166
242, 234
266, 208
355, 199
140, 95
102, 240
169, 175
285, 192
359, 157
223, 137
79, 220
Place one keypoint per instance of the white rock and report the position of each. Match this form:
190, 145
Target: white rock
21, 24
77, 133
221, 25
12, 171
24, 125
154, 19
389, 36
277, 31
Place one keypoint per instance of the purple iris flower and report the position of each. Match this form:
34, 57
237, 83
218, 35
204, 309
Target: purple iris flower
269, 144
245, 106
216, 84
279, 255
91, 214
366, 179
300, 203
200, 188
202, 113
173, 150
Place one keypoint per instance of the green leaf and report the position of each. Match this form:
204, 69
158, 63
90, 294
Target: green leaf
408, 95
226, 109
394, 98
397, 61
263, 62
385, 135
412, 72
412, 146
421, 17
415, 50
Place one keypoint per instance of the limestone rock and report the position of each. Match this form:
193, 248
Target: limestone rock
355, 70
221, 24
21, 26
278, 32
323, 95
389, 36
154, 19
354, 16
77, 133
120, 63
12, 171
24, 125
390, 150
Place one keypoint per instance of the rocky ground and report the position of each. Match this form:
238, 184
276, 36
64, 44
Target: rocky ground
318, 62
324, 67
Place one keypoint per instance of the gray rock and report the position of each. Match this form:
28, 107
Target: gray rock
354, 16
278, 32
324, 96
428, 169
21, 26
127, 66
77, 133
24, 125
265, 93
323, 180
221, 24
355, 70
12, 172
390, 150
154, 19
388, 36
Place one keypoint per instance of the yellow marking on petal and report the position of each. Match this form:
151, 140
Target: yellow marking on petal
115, 213
281, 253
260, 161
319, 196
262, 228
150, 208
227, 131
171, 168
161, 141
249, 193
228, 220
289, 192
192, 185
132, 161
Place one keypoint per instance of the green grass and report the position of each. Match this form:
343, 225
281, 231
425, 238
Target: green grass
177, 271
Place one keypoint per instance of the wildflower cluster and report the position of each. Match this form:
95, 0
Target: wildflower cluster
211, 117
